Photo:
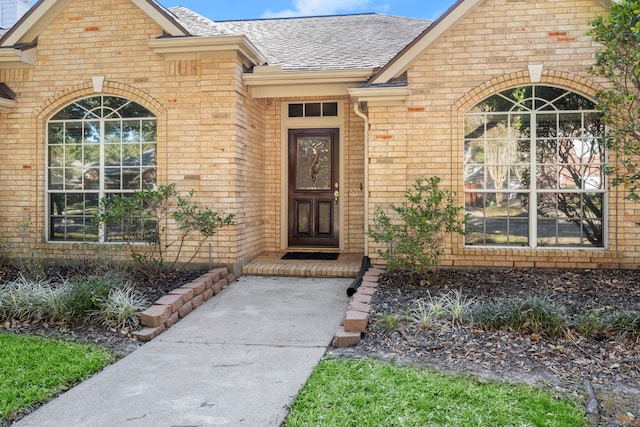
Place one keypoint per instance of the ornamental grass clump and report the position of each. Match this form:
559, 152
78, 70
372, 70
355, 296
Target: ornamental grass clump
532, 314
107, 300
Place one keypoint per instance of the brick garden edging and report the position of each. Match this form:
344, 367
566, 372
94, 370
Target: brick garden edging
357, 316
181, 301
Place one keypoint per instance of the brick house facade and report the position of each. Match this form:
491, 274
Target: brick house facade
250, 113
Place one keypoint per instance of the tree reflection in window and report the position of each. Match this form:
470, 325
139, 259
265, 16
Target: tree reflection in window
552, 134
96, 147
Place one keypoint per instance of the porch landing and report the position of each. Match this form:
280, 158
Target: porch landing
271, 264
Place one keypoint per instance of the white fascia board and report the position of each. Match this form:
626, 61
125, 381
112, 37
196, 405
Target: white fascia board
401, 63
33, 22
6, 105
161, 17
204, 47
272, 82
380, 96
18, 58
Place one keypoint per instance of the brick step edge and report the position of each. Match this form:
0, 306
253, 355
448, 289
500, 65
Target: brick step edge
178, 303
356, 318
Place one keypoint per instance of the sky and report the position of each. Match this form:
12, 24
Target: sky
220, 10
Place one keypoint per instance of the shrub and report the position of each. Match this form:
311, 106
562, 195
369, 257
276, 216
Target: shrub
451, 308
142, 217
415, 239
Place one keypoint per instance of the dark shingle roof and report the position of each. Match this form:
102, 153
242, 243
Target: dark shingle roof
6, 92
338, 42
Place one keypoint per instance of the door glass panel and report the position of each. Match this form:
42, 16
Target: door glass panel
314, 163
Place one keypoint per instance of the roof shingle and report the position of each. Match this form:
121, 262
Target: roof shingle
339, 42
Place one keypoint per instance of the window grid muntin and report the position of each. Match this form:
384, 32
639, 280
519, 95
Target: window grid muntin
472, 195
69, 225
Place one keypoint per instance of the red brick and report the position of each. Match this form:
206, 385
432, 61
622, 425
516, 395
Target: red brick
172, 320
346, 339
147, 334
186, 293
208, 294
362, 298
356, 321
197, 285
219, 273
197, 301
172, 300
185, 309
218, 286
358, 306
231, 278
366, 290
155, 315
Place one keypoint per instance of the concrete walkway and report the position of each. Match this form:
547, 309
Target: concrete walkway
238, 360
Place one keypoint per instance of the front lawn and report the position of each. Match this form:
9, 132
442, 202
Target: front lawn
35, 369
372, 393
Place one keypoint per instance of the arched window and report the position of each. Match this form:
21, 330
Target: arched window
533, 170
96, 147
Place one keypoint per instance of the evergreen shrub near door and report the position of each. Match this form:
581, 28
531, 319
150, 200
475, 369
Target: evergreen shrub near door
414, 236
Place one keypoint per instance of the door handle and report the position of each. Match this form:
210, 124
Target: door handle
336, 196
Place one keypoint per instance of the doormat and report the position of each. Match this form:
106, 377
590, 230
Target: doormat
316, 256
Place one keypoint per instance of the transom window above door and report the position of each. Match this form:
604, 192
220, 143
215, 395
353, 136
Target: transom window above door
534, 170
96, 147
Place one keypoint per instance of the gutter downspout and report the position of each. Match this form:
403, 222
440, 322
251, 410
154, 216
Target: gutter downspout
359, 113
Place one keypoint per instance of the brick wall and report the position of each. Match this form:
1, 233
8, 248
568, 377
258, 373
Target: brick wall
208, 130
486, 52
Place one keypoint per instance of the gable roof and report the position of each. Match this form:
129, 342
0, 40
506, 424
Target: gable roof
339, 42
398, 65
27, 29
7, 98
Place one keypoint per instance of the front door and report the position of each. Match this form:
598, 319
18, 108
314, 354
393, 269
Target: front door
314, 188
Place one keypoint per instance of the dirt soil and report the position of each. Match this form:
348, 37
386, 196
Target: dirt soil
610, 365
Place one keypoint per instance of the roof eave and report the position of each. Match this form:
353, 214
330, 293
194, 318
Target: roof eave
203, 47
18, 58
42, 13
380, 96
273, 82
6, 105
403, 60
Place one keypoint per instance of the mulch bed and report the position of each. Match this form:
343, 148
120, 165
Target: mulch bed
611, 365
120, 342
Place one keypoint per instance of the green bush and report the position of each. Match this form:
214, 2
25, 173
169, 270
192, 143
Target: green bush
415, 236
85, 294
142, 217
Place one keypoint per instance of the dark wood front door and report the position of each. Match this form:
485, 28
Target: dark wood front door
314, 189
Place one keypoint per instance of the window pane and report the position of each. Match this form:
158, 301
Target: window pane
56, 133
92, 132
569, 177
312, 109
73, 132
149, 131
131, 131
330, 109
113, 131
296, 110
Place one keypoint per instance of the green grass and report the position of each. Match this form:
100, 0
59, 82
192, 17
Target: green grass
34, 369
372, 393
